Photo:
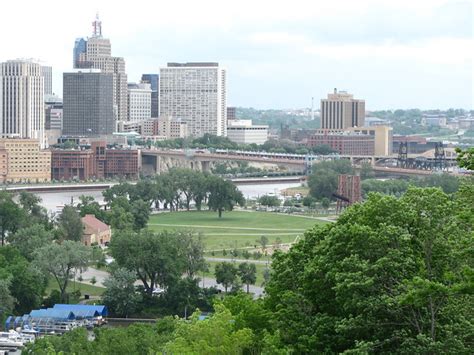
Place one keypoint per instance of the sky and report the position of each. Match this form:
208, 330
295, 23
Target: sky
278, 54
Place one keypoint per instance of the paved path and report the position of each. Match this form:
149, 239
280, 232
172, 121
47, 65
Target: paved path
101, 275
238, 260
223, 227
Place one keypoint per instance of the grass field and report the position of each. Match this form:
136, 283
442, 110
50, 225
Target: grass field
235, 229
84, 288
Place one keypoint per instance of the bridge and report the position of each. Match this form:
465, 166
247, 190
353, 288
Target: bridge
161, 160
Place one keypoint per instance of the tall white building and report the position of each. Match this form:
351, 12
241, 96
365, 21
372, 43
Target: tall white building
139, 102
22, 100
47, 72
196, 94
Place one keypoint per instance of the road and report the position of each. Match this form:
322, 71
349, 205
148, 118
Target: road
101, 275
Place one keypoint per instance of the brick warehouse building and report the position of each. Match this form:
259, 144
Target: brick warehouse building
98, 161
344, 142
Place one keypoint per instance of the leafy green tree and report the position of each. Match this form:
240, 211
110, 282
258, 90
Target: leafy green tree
270, 201
61, 260
308, 201
325, 203
120, 295
11, 215
153, 257
263, 241
323, 149
88, 205
191, 251
215, 335
29, 239
27, 284
6, 299
248, 274
465, 158
120, 219
323, 181
37, 214
223, 195
70, 224
366, 171
386, 277
141, 213
226, 274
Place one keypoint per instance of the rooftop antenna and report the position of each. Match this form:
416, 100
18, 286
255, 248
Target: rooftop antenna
312, 108
97, 27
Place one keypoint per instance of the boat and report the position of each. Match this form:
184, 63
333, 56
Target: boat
11, 340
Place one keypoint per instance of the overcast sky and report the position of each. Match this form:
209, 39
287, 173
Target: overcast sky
278, 54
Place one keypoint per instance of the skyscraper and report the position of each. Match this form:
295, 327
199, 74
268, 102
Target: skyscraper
195, 93
340, 111
47, 72
96, 52
88, 108
22, 100
153, 80
139, 102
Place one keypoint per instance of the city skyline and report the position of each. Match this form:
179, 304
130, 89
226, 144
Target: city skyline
393, 54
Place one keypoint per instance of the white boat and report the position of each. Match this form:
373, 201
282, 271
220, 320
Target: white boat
11, 340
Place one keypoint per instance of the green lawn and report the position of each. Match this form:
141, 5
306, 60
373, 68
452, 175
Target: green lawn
235, 229
84, 288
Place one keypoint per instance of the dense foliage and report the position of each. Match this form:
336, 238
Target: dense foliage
391, 275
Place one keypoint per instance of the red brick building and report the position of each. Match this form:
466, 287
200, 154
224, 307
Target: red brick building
345, 143
96, 162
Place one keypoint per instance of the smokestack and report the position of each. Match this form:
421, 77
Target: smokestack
335, 90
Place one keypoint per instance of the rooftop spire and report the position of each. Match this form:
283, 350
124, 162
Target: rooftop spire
97, 27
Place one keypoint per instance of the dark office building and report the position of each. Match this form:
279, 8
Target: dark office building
153, 80
88, 104
231, 113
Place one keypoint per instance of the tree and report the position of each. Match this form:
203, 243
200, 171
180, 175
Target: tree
29, 239
366, 171
191, 250
270, 201
323, 149
308, 201
88, 205
248, 274
390, 274
61, 260
37, 214
263, 241
11, 216
226, 274
323, 181
465, 158
141, 213
153, 257
223, 195
6, 299
325, 203
27, 284
120, 295
70, 224
216, 335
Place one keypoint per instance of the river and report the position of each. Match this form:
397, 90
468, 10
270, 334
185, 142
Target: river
53, 201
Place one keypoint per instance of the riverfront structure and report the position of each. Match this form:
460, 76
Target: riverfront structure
340, 111
96, 52
195, 93
22, 100
88, 103
22, 161
96, 162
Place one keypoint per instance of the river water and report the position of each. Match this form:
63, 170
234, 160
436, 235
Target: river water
54, 201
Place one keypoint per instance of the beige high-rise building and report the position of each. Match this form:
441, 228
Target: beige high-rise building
196, 94
340, 111
21, 160
22, 100
96, 52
